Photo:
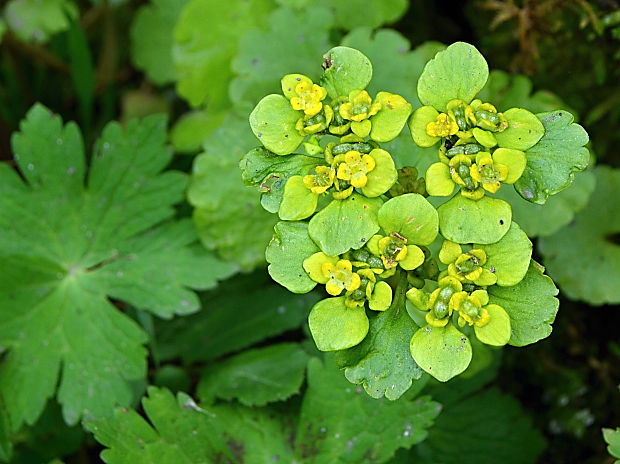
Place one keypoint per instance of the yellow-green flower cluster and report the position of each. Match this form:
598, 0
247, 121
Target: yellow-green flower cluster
357, 279
467, 267
394, 251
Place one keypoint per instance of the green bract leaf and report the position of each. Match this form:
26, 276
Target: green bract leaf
335, 326
202, 55
551, 163
558, 211
458, 72
270, 172
523, 132
383, 176
497, 331
266, 55
531, 305
297, 201
179, 431
348, 70
417, 125
256, 377
443, 352
273, 122
612, 437
584, 258
484, 221
388, 123
412, 216
151, 39
382, 363
84, 245
509, 258
286, 253
487, 428
345, 224
242, 311
38, 21
326, 437
220, 198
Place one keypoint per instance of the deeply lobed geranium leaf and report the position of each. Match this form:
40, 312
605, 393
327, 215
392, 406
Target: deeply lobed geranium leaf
584, 257
458, 72
66, 247
552, 162
179, 431
531, 305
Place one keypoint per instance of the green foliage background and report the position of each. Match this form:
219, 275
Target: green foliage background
132, 254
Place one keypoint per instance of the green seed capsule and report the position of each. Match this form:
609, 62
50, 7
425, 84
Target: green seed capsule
440, 310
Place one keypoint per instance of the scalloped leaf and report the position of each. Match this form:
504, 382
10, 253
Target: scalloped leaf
584, 257
531, 305
552, 162
458, 72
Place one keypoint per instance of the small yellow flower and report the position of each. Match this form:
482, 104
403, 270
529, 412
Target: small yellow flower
309, 98
353, 167
309, 125
443, 126
321, 181
471, 308
489, 174
359, 106
340, 277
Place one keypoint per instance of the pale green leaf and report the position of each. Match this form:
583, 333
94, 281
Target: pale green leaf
294, 41
443, 352
348, 70
458, 72
220, 197
358, 13
33, 20
484, 221
335, 326
612, 437
531, 305
584, 257
273, 123
552, 162
256, 377
509, 258
287, 250
151, 39
345, 224
558, 211
523, 132
205, 41
412, 216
